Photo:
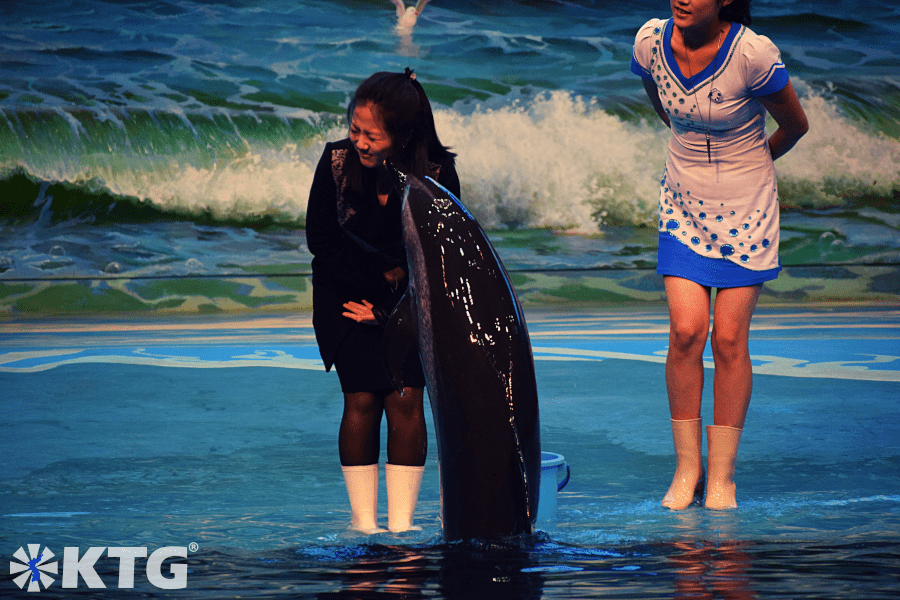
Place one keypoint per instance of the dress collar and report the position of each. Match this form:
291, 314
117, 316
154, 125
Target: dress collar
720, 61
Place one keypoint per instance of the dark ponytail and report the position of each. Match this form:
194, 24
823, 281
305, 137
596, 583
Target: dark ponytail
736, 12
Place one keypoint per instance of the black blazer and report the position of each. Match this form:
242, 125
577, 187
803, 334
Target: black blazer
354, 241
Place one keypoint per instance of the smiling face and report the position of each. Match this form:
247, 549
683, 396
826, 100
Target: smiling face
688, 14
372, 142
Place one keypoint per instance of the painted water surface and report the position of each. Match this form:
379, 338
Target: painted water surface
170, 138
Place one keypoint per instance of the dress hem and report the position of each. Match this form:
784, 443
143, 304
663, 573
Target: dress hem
675, 259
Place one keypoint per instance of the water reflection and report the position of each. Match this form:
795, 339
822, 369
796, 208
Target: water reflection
690, 568
706, 570
384, 572
489, 570
496, 570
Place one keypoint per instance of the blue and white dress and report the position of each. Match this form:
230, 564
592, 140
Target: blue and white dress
718, 205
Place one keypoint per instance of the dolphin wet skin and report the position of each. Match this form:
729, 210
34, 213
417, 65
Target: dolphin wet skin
463, 314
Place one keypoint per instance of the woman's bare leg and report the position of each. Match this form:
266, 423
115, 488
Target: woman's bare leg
732, 386
733, 376
688, 330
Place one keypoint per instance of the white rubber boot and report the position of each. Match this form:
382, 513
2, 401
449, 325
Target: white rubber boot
362, 489
723, 446
403, 484
687, 484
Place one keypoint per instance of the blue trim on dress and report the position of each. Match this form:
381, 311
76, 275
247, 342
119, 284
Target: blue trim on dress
718, 62
777, 80
676, 259
640, 71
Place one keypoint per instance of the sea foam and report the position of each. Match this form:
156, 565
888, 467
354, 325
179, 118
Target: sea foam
555, 161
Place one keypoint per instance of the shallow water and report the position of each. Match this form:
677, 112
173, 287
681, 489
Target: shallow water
221, 432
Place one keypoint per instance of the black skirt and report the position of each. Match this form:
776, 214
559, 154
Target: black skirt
360, 365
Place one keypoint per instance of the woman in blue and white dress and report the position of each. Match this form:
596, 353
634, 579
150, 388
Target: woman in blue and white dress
712, 80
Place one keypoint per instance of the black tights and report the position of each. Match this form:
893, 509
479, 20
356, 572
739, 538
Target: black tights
359, 439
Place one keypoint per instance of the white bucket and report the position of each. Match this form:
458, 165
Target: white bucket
552, 465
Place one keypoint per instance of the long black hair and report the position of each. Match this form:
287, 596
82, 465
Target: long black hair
405, 113
736, 12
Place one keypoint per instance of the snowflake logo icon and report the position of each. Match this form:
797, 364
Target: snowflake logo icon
33, 567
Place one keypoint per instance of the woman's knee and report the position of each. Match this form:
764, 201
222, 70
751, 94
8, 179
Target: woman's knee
363, 404
688, 337
407, 406
729, 345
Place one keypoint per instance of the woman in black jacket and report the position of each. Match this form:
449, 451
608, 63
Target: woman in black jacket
354, 232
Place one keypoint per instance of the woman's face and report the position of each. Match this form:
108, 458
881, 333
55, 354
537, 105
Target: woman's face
692, 13
372, 142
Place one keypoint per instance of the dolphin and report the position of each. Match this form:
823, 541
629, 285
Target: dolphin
462, 313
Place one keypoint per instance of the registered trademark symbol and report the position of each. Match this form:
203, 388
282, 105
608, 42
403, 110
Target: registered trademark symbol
193, 546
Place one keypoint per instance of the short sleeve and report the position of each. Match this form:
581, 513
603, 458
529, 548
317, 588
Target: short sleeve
765, 73
645, 42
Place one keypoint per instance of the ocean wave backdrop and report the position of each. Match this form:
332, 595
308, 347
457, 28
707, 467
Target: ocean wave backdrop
156, 138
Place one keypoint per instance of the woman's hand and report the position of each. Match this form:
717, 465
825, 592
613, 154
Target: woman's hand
361, 313
394, 277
